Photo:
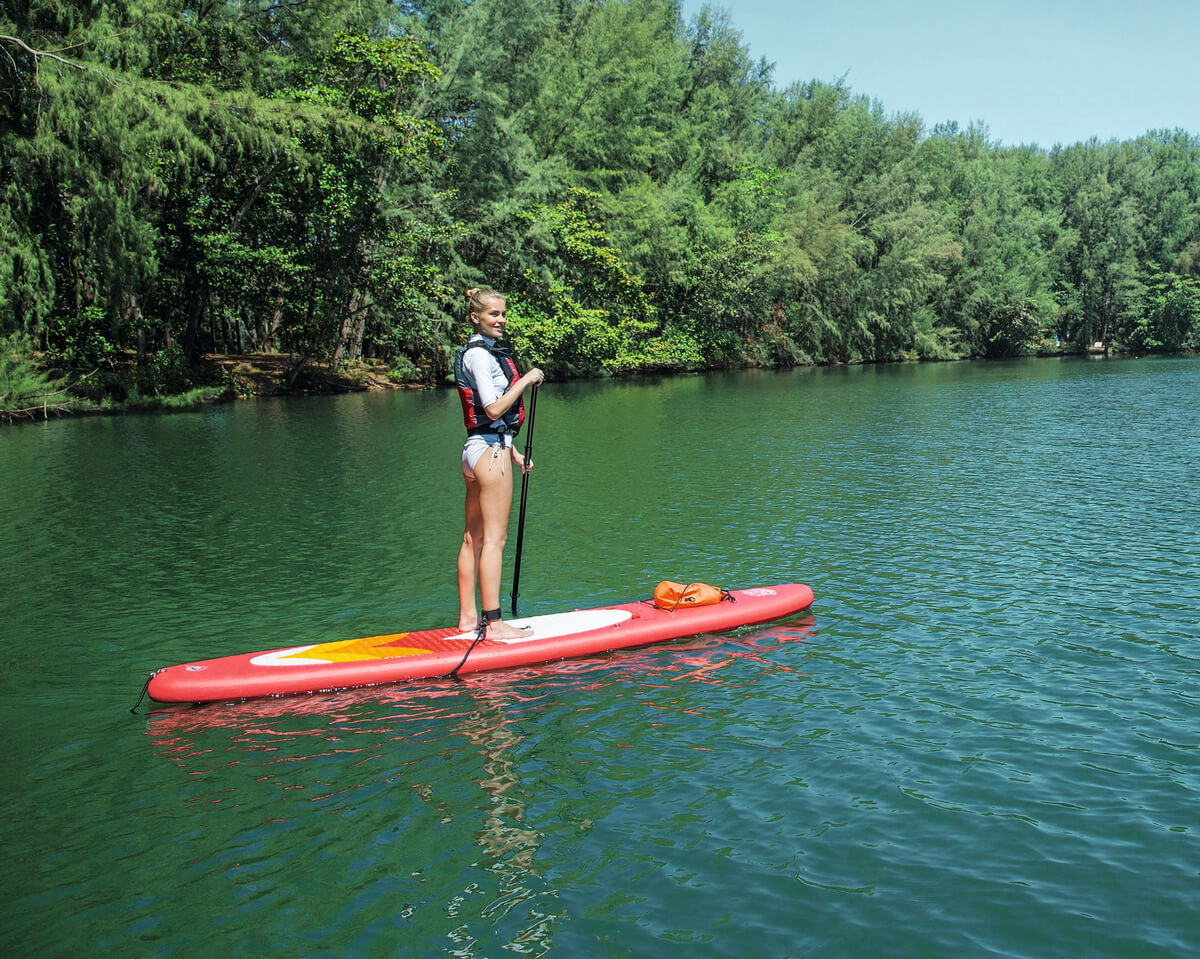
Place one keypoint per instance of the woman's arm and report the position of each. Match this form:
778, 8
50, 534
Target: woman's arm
502, 404
519, 460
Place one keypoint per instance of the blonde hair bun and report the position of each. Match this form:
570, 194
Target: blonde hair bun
478, 297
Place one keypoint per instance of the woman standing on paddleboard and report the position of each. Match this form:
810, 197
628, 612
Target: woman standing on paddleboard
493, 410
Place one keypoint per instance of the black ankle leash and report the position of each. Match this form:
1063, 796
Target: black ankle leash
489, 616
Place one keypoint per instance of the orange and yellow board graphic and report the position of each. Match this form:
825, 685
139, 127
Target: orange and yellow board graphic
358, 650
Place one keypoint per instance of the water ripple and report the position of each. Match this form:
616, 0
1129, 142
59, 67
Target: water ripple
981, 741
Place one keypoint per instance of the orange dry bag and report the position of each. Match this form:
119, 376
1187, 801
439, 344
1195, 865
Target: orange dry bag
670, 596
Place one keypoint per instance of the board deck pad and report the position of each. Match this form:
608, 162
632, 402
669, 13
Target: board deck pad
431, 653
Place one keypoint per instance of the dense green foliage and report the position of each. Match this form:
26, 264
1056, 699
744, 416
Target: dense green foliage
25, 390
180, 178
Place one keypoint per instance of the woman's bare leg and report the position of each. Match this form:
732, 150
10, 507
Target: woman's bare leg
494, 477
468, 558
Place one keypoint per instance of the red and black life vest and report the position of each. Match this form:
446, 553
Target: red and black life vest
474, 415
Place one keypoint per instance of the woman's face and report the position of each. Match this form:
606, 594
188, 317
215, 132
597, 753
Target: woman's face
491, 321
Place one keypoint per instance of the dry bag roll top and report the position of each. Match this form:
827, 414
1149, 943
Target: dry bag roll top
670, 596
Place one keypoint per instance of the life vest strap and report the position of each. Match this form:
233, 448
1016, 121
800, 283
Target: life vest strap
500, 430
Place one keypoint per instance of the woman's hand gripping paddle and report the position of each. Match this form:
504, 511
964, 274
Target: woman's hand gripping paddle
516, 584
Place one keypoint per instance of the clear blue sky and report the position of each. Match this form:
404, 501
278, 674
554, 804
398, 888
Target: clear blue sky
1034, 71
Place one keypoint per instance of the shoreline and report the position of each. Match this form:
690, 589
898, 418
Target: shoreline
227, 378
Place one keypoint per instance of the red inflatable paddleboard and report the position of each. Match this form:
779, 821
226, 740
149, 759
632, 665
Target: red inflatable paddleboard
431, 653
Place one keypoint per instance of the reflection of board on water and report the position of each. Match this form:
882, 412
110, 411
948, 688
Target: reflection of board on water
394, 758
428, 654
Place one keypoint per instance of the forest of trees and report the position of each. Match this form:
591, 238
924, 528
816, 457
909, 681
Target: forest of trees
323, 177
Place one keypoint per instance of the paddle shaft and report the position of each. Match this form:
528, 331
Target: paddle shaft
516, 585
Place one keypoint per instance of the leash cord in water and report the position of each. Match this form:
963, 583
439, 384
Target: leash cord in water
145, 689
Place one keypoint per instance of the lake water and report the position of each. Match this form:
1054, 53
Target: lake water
983, 739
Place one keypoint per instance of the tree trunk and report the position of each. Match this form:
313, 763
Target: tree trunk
191, 335
339, 352
360, 328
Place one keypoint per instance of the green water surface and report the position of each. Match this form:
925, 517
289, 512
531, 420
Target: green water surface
983, 739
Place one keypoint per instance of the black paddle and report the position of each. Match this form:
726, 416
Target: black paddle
516, 587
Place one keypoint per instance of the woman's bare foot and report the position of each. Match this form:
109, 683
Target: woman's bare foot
498, 629
467, 625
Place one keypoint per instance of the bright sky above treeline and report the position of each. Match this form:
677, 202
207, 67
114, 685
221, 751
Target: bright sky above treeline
1032, 71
